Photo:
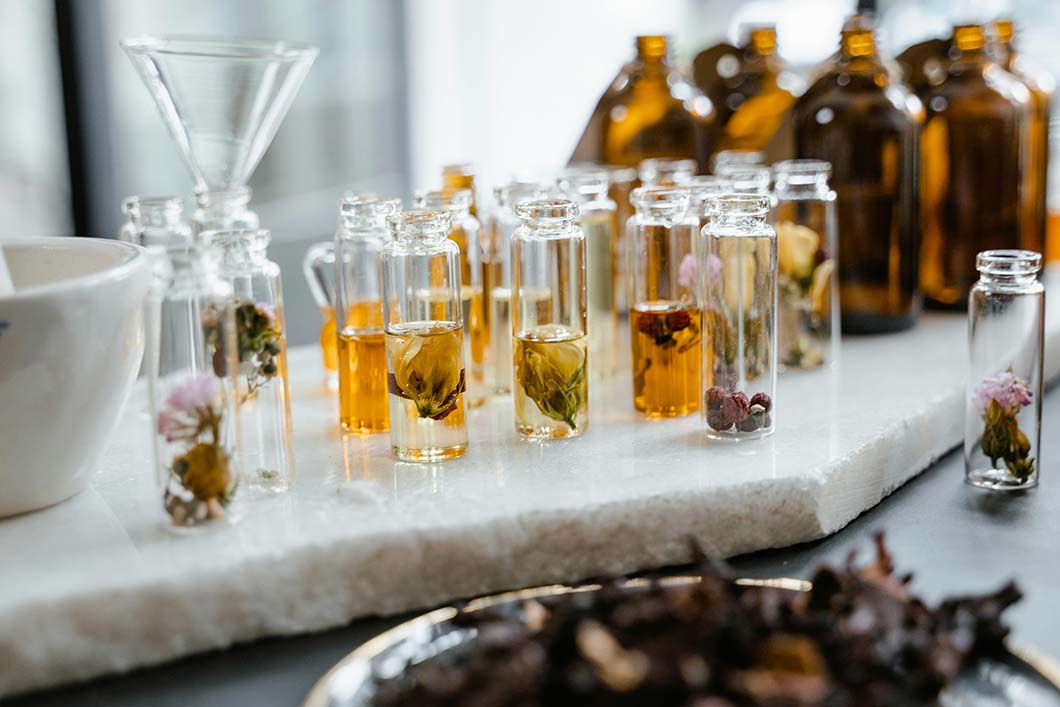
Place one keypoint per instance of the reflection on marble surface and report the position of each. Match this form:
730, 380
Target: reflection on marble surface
99, 584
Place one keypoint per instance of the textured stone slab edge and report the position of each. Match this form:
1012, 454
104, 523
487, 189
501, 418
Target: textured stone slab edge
323, 586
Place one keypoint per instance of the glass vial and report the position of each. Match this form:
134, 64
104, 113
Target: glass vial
1003, 405
154, 220
662, 172
263, 396
597, 217
808, 304
740, 299
191, 369
724, 159
466, 233
423, 314
318, 267
362, 233
551, 389
223, 211
502, 226
664, 319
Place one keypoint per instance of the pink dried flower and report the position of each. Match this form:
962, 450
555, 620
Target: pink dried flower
713, 266
200, 392
1010, 392
687, 271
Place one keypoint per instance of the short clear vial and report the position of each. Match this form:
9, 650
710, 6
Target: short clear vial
154, 221
423, 319
808, 297
550, 348
1003, 402
263, 394
739, 317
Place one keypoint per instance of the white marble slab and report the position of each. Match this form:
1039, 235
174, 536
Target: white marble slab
97, 585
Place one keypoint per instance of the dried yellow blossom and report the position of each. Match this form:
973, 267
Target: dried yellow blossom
203, 470
427, 369
551, 370
796, 249
821, 287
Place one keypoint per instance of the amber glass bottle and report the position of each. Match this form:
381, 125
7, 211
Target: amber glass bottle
749, 87
864, 121
650, 110
1041, 86
972, 160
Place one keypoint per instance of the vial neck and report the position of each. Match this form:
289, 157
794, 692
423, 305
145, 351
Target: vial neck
763, 42
1007, 281
225, 203
858, 43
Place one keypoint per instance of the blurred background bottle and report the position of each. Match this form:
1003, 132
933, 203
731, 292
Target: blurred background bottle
861, 118
649, 110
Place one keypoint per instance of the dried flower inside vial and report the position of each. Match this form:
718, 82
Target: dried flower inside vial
552, 373
428, 371
203, 470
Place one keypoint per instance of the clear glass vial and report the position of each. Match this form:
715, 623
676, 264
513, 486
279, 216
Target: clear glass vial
190, 361
808, 304
423, 316
664, 318
263, 396
362, 233
154, 220
502, 225
665, 172
551, 388
318, 267
1003, 405
466, 233
597, 217
223, 211
739, 315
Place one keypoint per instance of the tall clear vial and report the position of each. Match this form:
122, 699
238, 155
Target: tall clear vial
223, 211
808, 304
739, 316
551, 354
423, 315
1003, 404
665, 172
263, 395
597, 217
502, 225
154, 221
359, 240
190, 361
466, 232
664, 316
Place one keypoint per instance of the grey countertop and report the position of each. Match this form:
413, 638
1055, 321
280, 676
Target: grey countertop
955, 539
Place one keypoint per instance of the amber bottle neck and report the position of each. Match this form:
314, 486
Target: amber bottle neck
859, 42
970, 40
652, 48
763, 41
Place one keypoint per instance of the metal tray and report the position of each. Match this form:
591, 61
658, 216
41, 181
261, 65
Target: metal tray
1023, 678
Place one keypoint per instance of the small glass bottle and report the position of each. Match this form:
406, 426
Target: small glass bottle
807, 314
424, 320
154, 220
318, 267
739, 314
1003, 404
190, 360
551, 388
598, 220
362, 233
466, 233
503, 225
223, 211
663, 172
664, 319
263, 396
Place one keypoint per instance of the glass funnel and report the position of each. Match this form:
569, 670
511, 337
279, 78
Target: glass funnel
222, 100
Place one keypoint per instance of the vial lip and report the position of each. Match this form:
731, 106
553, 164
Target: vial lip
743, 205
518, 190
367, 205
728, 157
256, 239
584, 180
459, 169
419, 223
707, 185
809, 170
131, 204
650, 170
660, 199
547, 210
1008, 262
443, 199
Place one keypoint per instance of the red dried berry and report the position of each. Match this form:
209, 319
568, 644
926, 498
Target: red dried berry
676, 321
651, 324
750, 424
714, 398
740, 399
762, 400
718, 420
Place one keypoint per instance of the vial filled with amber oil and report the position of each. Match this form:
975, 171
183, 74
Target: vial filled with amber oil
664, 320
503, 224
588, 187
359, 239
466, 233
739, 314
973, 158
424, 337
551, 355
862, 119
